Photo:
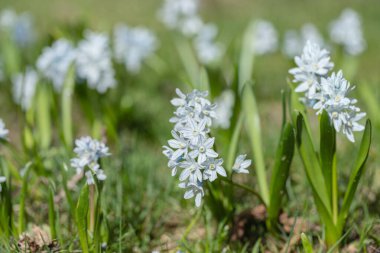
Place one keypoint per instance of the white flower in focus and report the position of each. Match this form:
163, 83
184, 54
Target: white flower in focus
313, 64
351, 125
193, 190
224, 109
2, 180
208, 51
89, 152
347, 31
3, 131
241, 164
24, 88
54, 62
191, 150
93, 62
292, 44
265, 38
133, 45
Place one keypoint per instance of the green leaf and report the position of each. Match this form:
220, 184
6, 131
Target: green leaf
311, 163
52, 218
254, 131
327, 152
232, 148
371, 101
43, 116
204, 82
307, 247
189, 61
356, 174
246, 56
280, 174
24, 190
81, 218
66, 103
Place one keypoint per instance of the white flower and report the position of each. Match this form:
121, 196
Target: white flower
181, 15
208, 51
94, 62
191, 150
310, 33
89, 152
265, 38
193, 190
3, 131
24, 88
241, 165
224, 109
213, 167
313, 64
347, 31
133, 45
351, 125
54, 62
2, 180
292, 44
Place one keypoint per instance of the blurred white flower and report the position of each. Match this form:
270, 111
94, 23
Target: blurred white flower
181, 15
310, 33
208, 51
133, 45
2, 180
89, 152
241, 164
313, 64
224, 110
24, 88
191, 150
3, 131
265, 38
347, 31
93, 62
54, 62
20, 27
292, 44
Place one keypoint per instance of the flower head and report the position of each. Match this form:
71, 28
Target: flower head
89, 152
224, 110
241, 164
93, 62
265, 39
133, 45
347, 31
54, 62
3, 131
208, 51
24, 88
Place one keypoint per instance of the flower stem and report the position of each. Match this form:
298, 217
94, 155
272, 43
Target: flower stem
92, 207
244, 187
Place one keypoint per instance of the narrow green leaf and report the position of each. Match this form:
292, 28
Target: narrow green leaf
204, 82
254, 131
356, 174
189, 61
256, 247
234, 142
81, 218
246, 56
52, 218
66, 103
371, 101
43, 116
280, 173
311, 162
307, 246
24, 190
327, 152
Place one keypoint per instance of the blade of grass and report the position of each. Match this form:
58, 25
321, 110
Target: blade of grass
81, 218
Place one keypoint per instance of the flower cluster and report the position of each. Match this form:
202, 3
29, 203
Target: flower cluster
133, 45
347, 31
2, 180
181, 15
19, 26
294, 40
265, 38
191, 149
54, 62
94, 62
3, 131
208, 51
89, 152
24, 88
327, 93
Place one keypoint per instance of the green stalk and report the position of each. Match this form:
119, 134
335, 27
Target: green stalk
335, 196
24, 190
234, 142
66, 103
